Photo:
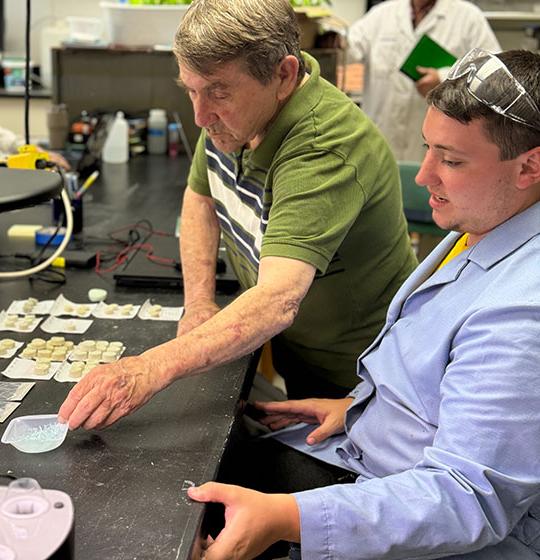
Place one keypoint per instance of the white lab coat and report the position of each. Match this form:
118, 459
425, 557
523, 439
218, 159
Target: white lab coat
383, 39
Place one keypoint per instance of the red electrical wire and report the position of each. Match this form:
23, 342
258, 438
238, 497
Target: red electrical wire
121, 256
124, 253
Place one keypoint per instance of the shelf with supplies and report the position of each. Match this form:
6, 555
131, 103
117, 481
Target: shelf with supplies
522, 17
42, 93
512, 21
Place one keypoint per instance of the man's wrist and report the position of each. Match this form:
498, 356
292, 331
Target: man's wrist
163, 365
199, 300
287, 515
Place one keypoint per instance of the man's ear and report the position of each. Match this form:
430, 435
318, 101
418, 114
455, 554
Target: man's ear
530, 169
287, 73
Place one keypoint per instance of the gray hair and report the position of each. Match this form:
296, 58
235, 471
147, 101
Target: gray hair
453, 99
259, 33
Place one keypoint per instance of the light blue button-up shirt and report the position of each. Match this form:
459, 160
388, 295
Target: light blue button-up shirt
444, 432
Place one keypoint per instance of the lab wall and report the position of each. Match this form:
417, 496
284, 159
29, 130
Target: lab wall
48, 16
49, 28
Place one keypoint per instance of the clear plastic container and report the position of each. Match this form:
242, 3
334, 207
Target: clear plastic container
142, 24
88, 30
36, 433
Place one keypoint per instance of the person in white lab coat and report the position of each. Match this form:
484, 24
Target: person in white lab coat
383, 38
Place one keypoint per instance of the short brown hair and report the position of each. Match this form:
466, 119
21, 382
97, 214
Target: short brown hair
453, 99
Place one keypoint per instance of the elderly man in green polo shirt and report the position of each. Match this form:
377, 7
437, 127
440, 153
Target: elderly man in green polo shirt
305, 193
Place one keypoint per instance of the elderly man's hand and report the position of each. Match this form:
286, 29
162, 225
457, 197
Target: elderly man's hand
328, 413
196, 314
253, 521
109, 392
429, 80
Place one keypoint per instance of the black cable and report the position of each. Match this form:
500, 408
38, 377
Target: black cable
37, 259
50, 276
133, 235
27, 77
9, 476
147, 222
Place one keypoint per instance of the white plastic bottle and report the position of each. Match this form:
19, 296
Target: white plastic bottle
157, 132
116, 147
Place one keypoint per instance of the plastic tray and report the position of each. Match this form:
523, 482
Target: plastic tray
36, 433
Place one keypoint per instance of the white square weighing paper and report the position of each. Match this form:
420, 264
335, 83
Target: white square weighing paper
30, 306
116, 311
9, 347
6, 409
14, 390
63, 306
18, 323
20, 368
71, 372
56, 325
155, 312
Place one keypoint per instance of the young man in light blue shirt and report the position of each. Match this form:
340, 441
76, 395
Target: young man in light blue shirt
437, 452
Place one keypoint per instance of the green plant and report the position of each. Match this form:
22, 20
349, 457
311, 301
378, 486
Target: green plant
303, 3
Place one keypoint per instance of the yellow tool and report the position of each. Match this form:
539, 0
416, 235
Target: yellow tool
29, 157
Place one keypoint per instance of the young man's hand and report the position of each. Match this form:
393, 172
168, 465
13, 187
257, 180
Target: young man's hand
328, 413
253, 520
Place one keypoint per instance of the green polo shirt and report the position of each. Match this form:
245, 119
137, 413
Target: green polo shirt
323, 188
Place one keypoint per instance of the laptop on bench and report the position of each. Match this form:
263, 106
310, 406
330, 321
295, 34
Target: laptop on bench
140, 271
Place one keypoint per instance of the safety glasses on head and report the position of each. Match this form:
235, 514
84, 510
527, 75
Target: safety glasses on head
490, 82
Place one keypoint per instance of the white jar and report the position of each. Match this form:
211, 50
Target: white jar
157, 132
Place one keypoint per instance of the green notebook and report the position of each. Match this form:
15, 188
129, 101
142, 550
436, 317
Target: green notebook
429, 54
